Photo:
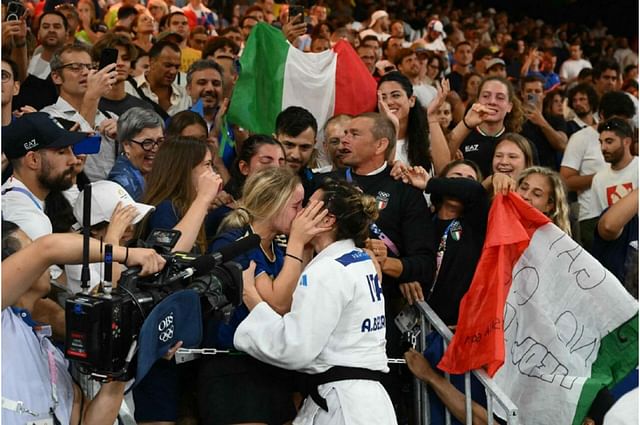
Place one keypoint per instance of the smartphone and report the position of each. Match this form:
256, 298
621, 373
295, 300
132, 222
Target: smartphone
295, 10
88, 146
15, 11
532, 99
108, 56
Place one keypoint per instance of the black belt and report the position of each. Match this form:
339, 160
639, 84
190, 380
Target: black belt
336, 373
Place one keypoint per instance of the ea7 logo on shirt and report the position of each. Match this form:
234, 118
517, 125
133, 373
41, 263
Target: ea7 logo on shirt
165, 328
471, 148
615, 193
382, 199
30, 144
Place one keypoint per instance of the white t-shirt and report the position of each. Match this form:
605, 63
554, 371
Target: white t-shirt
381, 36
624, 411
583, 154
23, 208
401, 151
425, 94
39, 67
571, 68
609, 185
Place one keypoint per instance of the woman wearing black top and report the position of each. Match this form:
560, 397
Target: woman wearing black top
460, 221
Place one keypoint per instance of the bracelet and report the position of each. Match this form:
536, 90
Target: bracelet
464, 121
126, 256
294, 257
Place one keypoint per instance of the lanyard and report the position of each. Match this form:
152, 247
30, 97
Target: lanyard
53, 377
374, 227
26, 192
442, 247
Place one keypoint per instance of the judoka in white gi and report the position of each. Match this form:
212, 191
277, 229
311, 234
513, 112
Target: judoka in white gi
336, 320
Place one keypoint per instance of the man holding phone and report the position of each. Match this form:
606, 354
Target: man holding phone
548, 134
118, 49
81, 88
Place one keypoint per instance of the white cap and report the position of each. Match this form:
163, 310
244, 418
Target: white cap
378, 14
105, 195
437, 26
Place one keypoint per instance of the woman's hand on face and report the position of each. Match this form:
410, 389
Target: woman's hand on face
307, 222
209, 184
503, 183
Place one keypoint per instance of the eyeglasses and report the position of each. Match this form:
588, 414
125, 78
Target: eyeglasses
78, 67
6, 76
148, 144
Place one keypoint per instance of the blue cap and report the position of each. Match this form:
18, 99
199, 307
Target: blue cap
36, 131
176, 318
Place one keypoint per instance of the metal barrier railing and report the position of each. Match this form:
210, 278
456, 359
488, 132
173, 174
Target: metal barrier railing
429, 319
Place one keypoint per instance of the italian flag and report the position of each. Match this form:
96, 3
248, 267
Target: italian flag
544, 318
275, 75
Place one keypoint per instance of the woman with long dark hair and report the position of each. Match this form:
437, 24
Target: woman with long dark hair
413, 148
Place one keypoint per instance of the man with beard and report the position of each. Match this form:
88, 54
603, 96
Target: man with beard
81, 88
583, 158
407, 63
117, 100
40, 152
158, 86
37, 89
296, 129
614, 182
204, 82
583, 99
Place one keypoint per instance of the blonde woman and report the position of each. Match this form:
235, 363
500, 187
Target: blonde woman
241, 389
543, 189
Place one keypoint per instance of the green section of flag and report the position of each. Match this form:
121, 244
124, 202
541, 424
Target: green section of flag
257, 95
617, 356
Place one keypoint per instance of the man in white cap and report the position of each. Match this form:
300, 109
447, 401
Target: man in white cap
435, 37
378, 26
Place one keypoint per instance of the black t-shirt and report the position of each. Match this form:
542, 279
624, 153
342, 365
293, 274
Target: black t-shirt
36, 92
405, 219
463, 244
455, 81
547, 156
479, 149
119, 107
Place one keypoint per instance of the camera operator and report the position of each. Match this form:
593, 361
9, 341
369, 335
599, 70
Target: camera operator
36, 386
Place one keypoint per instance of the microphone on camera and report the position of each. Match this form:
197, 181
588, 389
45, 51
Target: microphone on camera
205, 263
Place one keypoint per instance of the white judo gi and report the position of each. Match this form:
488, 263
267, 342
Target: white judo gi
336, 319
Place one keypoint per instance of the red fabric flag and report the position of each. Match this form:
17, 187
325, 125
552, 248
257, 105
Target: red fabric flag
356, 89
479, 337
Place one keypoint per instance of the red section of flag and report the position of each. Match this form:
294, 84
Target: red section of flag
479, 337
355, 86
